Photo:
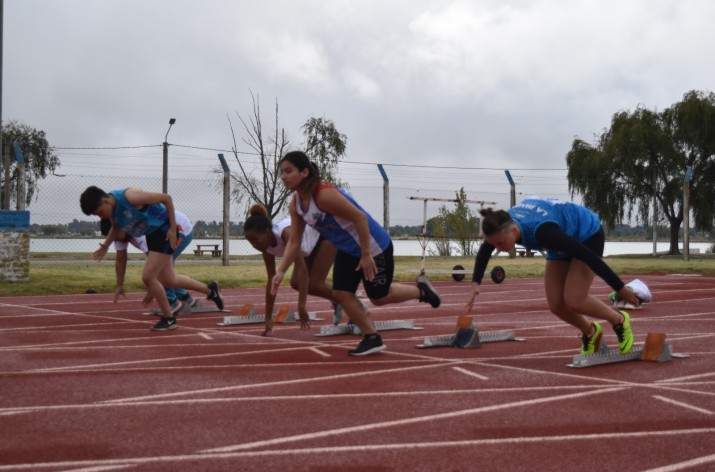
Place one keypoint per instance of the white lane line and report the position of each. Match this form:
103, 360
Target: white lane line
689, 377
319, 352
470, 373
684, 465
344, 449
408, 421
206, 336
325, 378
684, 405
281, 398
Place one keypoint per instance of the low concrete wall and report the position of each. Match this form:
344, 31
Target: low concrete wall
14, 246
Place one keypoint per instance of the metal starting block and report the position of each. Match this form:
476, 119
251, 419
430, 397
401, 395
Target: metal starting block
467, 336
332, 330
655, 349
248, 315
199, 308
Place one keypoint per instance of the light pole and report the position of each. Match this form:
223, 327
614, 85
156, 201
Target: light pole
165, 168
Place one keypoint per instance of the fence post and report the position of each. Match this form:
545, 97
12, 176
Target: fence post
686, 212
226, 208
385, 199
512, 203
655, 217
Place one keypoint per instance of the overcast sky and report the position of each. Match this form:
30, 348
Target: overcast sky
483, 84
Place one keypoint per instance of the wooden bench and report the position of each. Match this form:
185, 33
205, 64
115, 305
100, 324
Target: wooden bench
212, 249
525, 253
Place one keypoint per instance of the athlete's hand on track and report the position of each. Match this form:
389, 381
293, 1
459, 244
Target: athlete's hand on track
304, 318
119, 293
147, 299
269, 326
627, 295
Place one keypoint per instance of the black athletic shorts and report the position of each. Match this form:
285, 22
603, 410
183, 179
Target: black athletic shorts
157, 242
347, 279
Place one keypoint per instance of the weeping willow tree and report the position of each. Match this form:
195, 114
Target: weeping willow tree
644, 154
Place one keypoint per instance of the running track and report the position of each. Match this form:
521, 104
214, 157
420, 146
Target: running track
86, 386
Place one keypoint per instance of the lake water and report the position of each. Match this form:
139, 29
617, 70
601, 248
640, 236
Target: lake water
241, 247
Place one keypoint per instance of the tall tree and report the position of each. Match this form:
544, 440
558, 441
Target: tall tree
325, 145
644, 154
262, 184
40, 159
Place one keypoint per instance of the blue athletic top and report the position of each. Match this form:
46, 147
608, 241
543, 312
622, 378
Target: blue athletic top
575, 220
559, 227
341, 232
137, 222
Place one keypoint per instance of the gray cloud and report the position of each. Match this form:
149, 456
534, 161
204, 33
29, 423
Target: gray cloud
462, 83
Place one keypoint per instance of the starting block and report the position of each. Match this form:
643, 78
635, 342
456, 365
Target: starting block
655, 349
332, 330
248, 315
199, 308
467, 336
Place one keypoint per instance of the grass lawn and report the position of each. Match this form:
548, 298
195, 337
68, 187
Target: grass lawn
51, 276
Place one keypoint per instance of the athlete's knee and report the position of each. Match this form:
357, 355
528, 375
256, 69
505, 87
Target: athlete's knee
379, 301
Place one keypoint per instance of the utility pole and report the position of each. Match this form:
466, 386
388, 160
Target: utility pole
165, 166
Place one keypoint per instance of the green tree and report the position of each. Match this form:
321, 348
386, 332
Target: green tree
40, 159
644, 154
325, 145
459, 225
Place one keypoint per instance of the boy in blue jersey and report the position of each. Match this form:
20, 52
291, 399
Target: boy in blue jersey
364, 248
573, 239
139, 213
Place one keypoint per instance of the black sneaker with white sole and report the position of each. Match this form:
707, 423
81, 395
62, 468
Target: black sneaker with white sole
427, 292
215, 295
165, 324
370, 344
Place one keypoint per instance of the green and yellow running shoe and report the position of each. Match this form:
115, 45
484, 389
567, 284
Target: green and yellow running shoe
624, 333
591, 345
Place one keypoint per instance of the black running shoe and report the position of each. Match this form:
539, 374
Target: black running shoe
370, 344
215, 295
427, 292
165, 324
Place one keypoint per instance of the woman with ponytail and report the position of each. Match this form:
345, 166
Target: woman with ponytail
573, 239
310, 271
364, 248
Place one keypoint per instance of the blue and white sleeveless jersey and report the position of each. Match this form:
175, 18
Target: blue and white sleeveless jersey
340, 231
575, 220
137, 222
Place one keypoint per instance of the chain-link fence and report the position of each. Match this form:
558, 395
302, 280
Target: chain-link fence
58, 226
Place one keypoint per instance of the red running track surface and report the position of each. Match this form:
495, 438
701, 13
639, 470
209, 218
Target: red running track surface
85, 385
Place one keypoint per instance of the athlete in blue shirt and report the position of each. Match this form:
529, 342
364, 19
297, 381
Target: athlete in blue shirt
364, 248
139, 213
573, 239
